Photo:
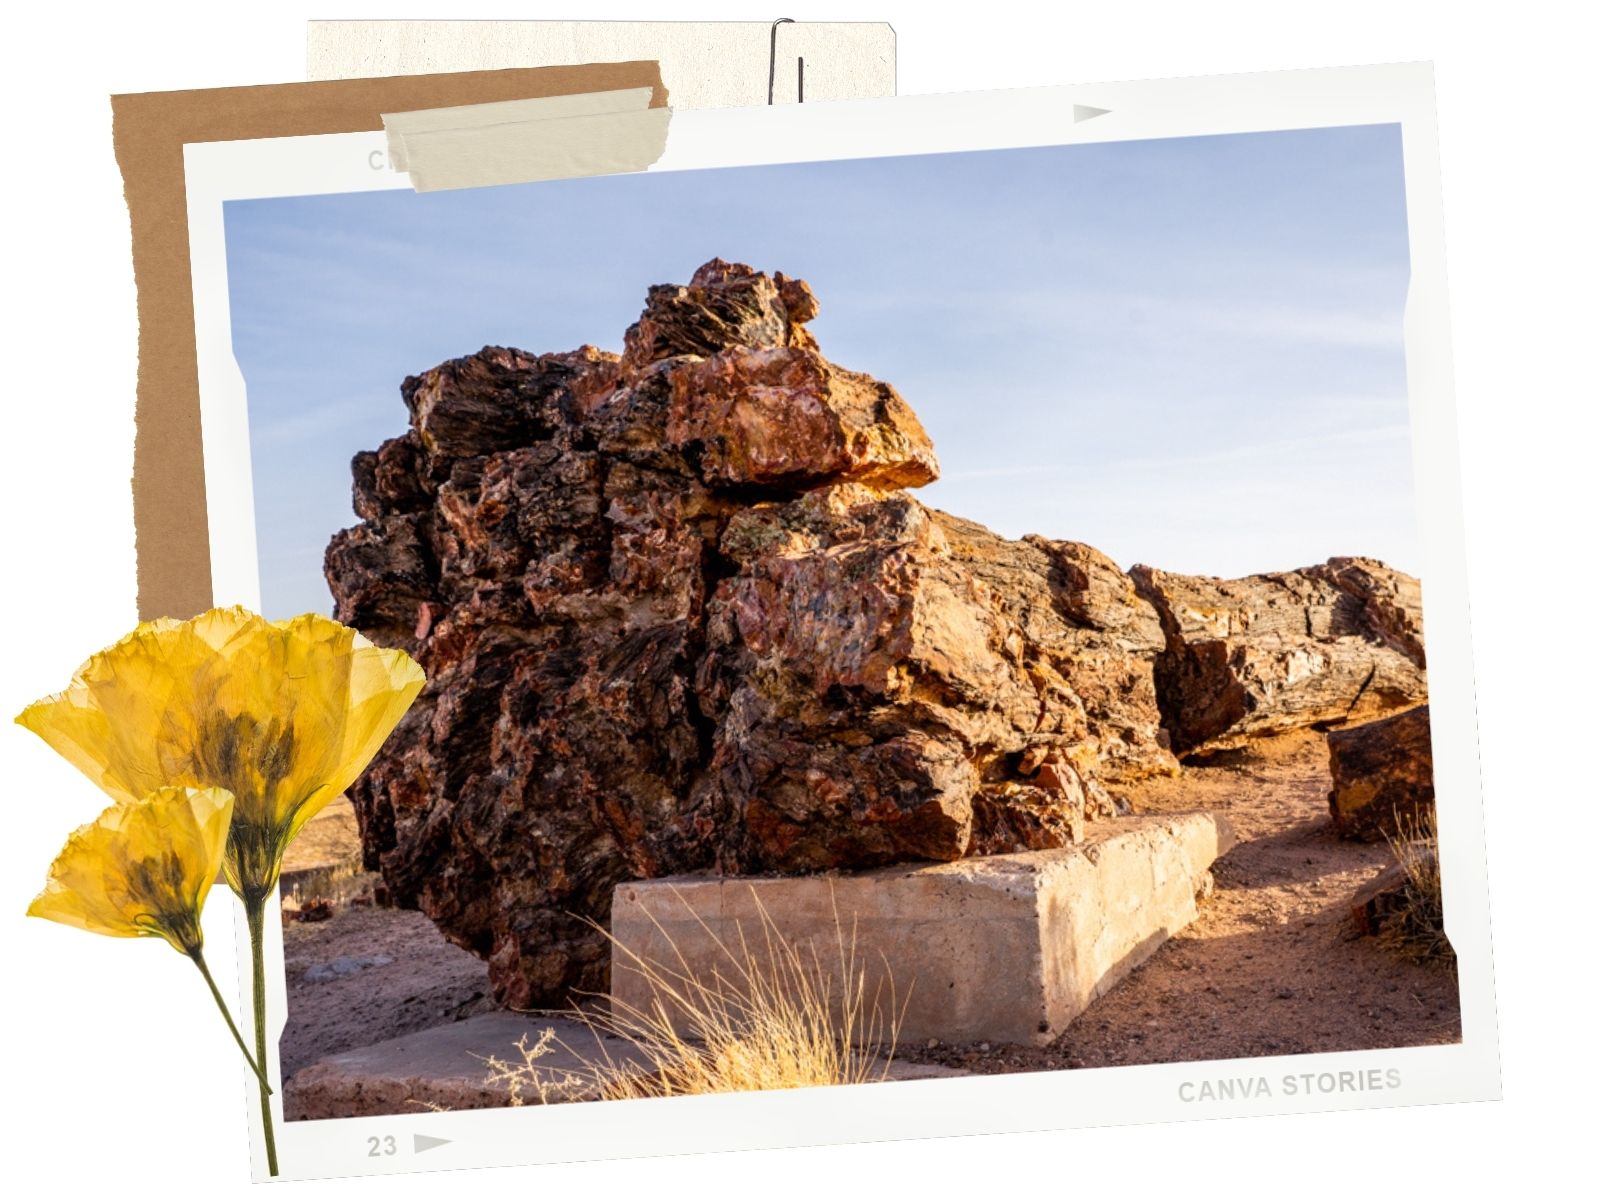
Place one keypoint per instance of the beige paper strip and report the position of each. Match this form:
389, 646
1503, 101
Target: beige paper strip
704, 64
561, 137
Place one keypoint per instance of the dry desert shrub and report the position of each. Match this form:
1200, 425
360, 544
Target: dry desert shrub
525, 1080
1415, 927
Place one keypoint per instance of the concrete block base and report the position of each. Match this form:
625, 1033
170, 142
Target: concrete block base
1009, 948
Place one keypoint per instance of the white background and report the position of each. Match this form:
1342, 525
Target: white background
108, 1083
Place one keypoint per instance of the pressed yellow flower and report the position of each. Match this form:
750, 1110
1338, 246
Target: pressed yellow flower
142, 868
283, 714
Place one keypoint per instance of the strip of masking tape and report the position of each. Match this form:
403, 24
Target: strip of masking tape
524, 141
400, 126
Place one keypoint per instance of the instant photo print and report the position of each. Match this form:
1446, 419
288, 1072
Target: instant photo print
939, 615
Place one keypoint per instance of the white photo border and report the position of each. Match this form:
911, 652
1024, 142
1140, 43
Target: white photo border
699, 139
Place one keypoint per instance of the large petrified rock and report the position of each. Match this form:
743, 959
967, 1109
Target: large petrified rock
1382, 777
888, 683
1327, 645
676, 614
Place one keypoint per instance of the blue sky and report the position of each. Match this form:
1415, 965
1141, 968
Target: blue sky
1185, 352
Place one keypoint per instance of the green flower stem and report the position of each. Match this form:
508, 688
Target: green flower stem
205, 973
255, 915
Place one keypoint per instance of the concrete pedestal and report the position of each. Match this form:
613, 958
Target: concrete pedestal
1009, 948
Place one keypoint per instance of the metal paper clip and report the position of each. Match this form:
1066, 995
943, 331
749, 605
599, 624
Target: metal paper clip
772, 62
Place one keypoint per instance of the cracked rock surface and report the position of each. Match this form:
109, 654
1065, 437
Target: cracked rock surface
678, 613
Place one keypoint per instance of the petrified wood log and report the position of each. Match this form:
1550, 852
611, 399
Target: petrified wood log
1382, 777
676, 614
1328, 645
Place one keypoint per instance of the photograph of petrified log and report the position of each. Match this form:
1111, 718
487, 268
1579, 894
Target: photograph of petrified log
679, 611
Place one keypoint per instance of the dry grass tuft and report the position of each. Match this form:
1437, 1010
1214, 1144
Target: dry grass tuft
772, 1014
1415, 927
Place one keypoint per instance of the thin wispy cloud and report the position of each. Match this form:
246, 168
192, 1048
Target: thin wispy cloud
1165, 317
1297, 447
312, 426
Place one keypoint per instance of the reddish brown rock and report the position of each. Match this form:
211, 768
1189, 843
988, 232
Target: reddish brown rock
1244, 658
876, 698
387, 577
1391, 602
1382, 777
1380, 900
676, 614
1090, 643
724, 305
789, 418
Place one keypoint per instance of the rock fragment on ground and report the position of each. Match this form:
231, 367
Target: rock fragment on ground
1382, 777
